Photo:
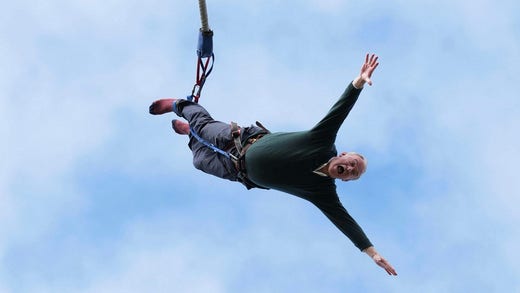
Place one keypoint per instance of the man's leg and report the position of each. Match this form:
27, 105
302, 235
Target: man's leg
164, 106
215, 132
201, 122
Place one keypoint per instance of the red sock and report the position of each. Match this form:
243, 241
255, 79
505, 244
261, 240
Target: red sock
161, 106
180, 127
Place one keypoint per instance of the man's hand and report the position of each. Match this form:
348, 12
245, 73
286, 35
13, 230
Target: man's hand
380, 261
366, 71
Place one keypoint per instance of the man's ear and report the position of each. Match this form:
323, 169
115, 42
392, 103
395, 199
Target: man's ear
342, 154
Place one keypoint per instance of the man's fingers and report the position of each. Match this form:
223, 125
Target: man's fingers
373, 60
388, 268
372, 68
368, 68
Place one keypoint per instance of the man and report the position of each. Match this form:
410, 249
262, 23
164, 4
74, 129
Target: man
304, 164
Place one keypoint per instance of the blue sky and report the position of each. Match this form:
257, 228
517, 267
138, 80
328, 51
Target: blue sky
96, 195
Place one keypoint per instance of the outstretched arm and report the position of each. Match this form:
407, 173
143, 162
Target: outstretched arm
327, 128
380, 261
366, 71
334, 210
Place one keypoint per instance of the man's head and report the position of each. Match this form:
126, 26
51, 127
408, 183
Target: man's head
347, 166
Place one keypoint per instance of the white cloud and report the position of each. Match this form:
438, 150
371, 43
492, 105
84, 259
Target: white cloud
53, 120
105, 18
182, 252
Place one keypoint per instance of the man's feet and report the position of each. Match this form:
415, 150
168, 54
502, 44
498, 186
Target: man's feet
180, 127
162, 106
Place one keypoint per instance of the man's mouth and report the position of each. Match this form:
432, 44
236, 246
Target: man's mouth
341, 169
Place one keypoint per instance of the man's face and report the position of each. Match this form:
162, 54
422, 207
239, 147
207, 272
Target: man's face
347, 167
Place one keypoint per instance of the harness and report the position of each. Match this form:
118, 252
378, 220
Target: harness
239, 159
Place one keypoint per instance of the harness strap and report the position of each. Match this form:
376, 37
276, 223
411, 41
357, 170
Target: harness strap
235, 134
262, 126
213, 147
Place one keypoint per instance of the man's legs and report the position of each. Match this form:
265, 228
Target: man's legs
202, 123
198, 118
164, 106
215, 132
